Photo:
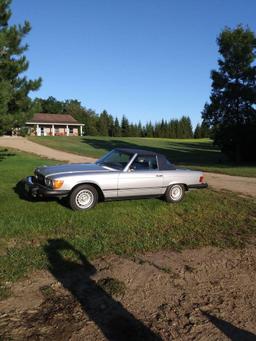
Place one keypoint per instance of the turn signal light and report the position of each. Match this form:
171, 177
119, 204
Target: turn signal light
57, 184
201, 179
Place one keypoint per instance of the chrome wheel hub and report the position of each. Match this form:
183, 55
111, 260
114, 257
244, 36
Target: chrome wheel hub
84, 198
176, 192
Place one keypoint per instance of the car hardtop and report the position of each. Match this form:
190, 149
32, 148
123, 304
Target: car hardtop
163, 162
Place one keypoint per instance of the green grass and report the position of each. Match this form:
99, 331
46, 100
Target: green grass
197, 154
121, 227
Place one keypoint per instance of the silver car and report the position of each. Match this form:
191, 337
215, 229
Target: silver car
121, 173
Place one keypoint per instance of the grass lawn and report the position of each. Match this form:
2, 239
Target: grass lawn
198, 154
123, 227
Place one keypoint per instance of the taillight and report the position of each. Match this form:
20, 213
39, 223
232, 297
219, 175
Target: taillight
201, 179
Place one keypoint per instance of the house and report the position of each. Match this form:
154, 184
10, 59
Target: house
54, 125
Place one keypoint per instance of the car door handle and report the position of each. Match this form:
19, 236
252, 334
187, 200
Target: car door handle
159, 175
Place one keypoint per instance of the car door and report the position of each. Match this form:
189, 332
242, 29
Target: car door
143, 178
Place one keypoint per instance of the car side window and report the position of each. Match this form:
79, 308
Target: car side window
143, 163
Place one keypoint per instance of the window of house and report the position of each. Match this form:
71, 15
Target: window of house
71, 130
42, 130
57, 130
144, 162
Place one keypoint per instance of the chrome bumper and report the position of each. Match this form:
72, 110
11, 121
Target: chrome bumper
35, 189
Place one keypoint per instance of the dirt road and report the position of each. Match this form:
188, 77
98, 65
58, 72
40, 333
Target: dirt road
25, 145
242, 185
205, 294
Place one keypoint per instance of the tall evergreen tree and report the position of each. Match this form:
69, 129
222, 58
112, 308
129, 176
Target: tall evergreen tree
189, 130
232, 108
197, 132
125, 126
117, 128
140, 129
149, 129
205, 130
185, 128
15, 104
111, 126
172, 129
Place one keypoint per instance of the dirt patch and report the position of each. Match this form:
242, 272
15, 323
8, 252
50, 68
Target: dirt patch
204, 294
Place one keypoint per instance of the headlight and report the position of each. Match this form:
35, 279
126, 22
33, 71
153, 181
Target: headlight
56, 184
48, 182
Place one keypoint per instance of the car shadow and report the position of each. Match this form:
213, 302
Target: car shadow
232, 332
114, 321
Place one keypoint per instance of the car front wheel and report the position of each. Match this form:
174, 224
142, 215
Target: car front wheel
175, 193
83, 197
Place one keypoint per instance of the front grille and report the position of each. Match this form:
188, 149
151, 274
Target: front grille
39, 178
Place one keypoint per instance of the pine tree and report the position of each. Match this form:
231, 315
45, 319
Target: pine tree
125, 126
232, 108
189, 130
15, 104
117, 129
205, 131
149, 129
140, 129
172, 129
111, 126
197, 132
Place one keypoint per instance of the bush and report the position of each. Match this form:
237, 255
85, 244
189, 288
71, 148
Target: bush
23, 131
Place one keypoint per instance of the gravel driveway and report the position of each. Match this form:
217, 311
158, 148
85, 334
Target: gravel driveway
31, 147
242, 185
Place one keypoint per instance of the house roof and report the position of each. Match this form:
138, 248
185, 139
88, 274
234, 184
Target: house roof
53, 118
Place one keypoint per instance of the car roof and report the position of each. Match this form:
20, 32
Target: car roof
136, 151
163, 163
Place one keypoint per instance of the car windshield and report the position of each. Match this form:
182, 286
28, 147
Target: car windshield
115, 159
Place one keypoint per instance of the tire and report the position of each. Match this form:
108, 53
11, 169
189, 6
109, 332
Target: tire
175, 193
83, 197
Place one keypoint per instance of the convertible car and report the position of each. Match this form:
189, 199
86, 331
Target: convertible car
121, 173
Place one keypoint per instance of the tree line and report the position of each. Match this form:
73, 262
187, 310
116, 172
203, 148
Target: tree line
104, 124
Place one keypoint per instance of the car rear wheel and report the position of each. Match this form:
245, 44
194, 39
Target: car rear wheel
175, 193
83, 197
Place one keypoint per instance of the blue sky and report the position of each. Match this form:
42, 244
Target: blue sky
146, 59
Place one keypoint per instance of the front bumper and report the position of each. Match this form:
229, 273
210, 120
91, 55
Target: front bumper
198, 186
35, 189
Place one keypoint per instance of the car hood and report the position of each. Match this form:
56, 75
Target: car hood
71, 168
